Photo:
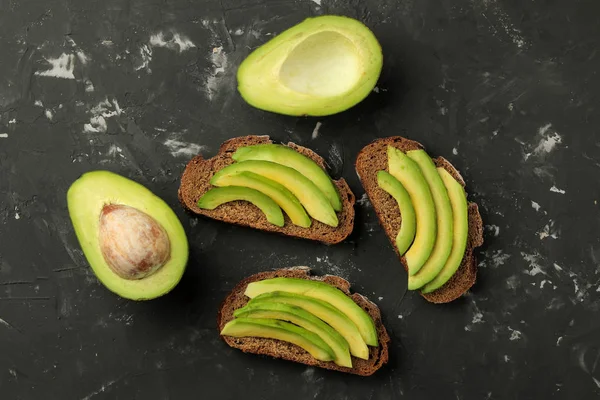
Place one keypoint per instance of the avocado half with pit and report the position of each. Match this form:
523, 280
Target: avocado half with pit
322, 66
131, 238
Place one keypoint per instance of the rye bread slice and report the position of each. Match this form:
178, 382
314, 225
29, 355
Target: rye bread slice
195, 181
378, 356
373, 158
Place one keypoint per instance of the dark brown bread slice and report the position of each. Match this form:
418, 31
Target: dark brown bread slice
373, 158
378, 356
195, 181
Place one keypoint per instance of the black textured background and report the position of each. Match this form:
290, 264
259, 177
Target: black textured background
507, 90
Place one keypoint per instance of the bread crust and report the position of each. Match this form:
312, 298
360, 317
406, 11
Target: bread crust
373, 158
378, 356
195, 181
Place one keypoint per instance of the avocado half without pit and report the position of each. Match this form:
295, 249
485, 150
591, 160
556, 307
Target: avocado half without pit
321, 66
131, 238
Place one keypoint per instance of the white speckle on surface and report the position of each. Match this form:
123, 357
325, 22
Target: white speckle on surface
544, 282
443, 110
534, 266
214, 78
238, 32
101, 390
512, 282
331, 267
176, 42
48, 114
178, 148
496, 259
82, 57
89, 86
548, 142
560, 338
380, 298
61, 67
400, 316
317, 2
557, 267
12, 372
13, 121
477, 318
511, 107
535, 205
376, 89
315, 132
455, 151
548, 231
514, 335
146, 57
557, 190
504, 23
506, 358
364, 201
38, 103
494, 133
3, 135
107, 43
17, 216
99, 114
495, 229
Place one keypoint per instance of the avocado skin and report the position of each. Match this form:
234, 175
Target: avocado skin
408, 173
321, 291
259, 89
304, 319
460, 212
280, 330
85, 199
406, 234
291, 158
443, 240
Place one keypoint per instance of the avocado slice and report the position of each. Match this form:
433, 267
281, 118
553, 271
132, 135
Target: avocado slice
394, 188
309, 195
443, 211
278, 193
322, 291
274, 329
321, 66
460, 213
304, 319
291, 158
97, 192
217, 196
325, 311
408, 173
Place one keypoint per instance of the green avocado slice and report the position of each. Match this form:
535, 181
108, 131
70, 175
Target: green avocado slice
326, 312
274, 329
322, 291
394, 188
277, 192
291, 158
220, 195
304, 319
443, 209
309, 195
408, 173
460, 212
321, 66
86, 199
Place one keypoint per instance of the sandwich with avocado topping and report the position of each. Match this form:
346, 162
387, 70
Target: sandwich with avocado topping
422, 205
280, 188
292, 315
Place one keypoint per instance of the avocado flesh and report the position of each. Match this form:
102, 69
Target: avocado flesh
304, 319
408, 173
443, 210
394, 188
309, 195
86, 198
274, 329
221, 195
326, 312
321, 291
291, 158
321, 66
278, 193
460, 213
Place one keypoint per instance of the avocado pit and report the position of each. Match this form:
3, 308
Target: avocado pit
134, 244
